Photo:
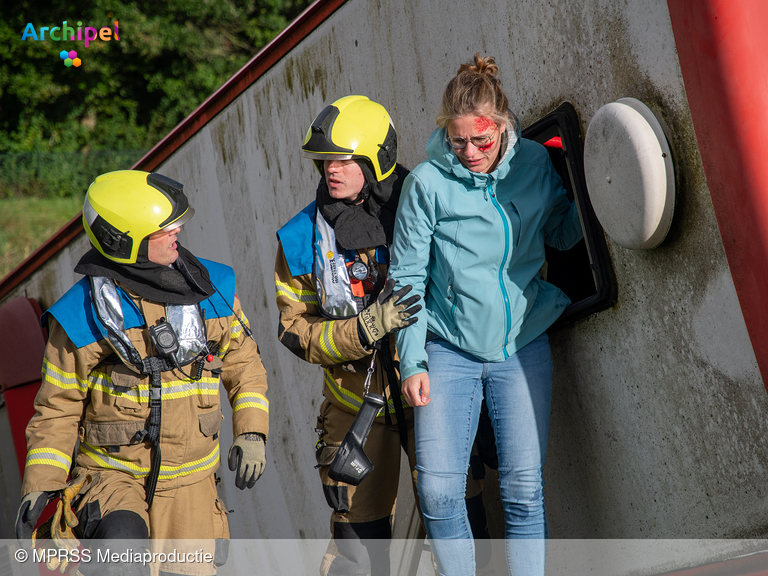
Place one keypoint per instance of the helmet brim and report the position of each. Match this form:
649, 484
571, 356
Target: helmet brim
183, 219
327, 156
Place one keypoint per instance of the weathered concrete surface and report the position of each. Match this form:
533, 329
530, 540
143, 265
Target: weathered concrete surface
658, 427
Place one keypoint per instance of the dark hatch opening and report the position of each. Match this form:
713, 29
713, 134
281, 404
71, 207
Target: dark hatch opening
584, 272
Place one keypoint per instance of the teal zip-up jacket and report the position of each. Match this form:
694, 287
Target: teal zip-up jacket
472, 245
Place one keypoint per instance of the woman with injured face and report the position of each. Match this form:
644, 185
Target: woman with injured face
469, 237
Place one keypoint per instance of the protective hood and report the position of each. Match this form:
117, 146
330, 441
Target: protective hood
186, 281
370, 223
442, 155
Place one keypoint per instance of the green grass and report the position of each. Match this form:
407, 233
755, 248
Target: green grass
26, 223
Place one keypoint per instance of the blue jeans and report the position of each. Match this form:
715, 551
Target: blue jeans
518, 394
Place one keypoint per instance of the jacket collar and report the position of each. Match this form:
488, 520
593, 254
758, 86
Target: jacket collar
442, 155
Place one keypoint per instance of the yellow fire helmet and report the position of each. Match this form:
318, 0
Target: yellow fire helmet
122, 208
353, 127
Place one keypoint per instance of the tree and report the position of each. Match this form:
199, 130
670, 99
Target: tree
126, 93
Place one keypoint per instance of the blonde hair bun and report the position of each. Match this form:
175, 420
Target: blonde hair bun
476, 89
482, 65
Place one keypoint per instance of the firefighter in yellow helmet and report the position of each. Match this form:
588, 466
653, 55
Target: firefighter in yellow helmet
132, 368
337, 309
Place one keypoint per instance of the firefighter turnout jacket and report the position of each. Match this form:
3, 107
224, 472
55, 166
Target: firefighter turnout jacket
89, 395
332, 343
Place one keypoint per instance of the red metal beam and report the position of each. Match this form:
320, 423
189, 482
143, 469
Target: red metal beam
267, 57
722, 47
284, 42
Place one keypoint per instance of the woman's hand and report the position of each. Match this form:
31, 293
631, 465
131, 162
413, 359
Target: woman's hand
416, 389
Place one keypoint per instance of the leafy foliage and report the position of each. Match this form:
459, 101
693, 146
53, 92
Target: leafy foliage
126, 94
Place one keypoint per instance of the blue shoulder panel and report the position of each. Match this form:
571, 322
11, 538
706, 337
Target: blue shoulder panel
296, 238
75, 312
223, 277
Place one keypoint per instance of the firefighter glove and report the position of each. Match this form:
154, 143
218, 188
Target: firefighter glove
56, 534
30, 509
388, 313
248, 457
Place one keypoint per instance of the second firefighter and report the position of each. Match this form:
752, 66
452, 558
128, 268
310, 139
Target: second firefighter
336, 308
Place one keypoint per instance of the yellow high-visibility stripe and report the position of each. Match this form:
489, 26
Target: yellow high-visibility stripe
186, 388
52, 374
102, 382
50, 457
343, 395
352, 400
205, 463
391, 404
172, 389
103, 458
295, 294
328, 345
235, 329
250, 400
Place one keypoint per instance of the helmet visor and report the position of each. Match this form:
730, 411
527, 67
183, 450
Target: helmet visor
183, 219
327, 156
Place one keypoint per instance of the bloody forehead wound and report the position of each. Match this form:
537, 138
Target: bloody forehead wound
482, 124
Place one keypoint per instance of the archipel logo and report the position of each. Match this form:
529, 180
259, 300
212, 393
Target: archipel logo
87, 34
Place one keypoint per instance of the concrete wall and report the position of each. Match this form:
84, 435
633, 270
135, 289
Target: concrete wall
10, 481
658, 427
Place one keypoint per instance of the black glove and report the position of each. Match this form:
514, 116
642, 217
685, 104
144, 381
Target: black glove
387, 314
30, 509
248, 456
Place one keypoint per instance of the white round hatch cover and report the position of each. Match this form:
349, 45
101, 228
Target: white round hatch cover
629, 173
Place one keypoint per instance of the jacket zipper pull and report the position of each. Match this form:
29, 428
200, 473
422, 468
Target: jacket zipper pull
449, 291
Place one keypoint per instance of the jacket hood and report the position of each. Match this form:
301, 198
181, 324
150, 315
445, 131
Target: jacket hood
442, 155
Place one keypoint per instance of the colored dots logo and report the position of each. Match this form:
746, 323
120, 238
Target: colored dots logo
70, 58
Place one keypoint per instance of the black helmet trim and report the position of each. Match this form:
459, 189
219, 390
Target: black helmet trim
172, 190
387, 154
320, 140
